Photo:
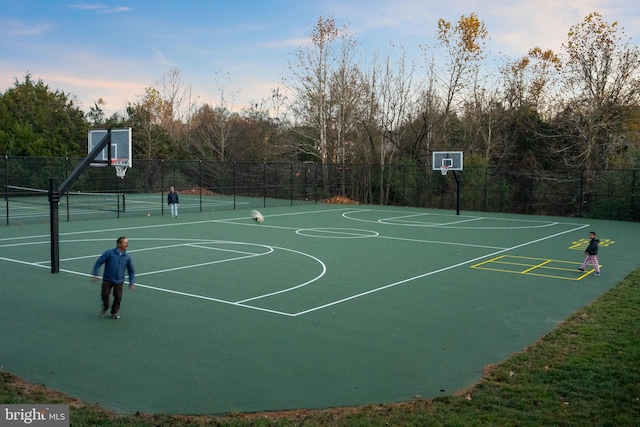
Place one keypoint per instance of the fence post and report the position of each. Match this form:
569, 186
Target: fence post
486, 202
581, 199
161, 186
404, 184
531, 189
234, 184
66, 173
291, 185
315, 182
633, 193
6, 183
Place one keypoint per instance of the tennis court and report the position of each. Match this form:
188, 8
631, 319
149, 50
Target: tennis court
320, 306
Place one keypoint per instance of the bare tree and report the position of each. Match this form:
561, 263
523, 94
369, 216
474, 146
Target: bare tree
396, 97
213, 124
463, 46
601, 81
345, 89
179, 105
309, 84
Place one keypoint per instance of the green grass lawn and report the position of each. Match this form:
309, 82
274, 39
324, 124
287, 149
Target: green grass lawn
584, 373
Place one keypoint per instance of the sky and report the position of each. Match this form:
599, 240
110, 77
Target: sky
113, 50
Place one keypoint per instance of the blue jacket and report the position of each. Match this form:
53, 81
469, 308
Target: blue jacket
115, 264
172, 198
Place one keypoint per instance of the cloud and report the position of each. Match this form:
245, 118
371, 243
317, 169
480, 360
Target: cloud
15, 28
100, 8
285, 43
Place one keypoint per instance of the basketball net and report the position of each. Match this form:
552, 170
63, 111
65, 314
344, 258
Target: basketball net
444, 169
121, 167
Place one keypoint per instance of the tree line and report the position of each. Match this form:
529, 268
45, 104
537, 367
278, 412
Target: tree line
575, 108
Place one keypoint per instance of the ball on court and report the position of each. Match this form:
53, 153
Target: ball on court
257, 216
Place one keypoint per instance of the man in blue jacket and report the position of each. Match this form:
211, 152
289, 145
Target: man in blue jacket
115, 261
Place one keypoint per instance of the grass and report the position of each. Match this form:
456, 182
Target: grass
586, 372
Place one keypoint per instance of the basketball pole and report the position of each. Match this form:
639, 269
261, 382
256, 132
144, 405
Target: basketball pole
54, 198
455, 175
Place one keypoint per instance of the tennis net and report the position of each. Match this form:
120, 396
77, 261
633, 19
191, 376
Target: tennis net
37, 198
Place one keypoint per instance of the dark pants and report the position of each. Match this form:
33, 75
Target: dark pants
117, 296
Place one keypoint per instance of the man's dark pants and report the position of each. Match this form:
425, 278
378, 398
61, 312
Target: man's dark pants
117, 295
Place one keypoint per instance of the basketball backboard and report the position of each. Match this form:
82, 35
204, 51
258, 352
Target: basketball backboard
120, 147
451, 160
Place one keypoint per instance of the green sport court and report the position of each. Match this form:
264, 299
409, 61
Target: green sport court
320, 306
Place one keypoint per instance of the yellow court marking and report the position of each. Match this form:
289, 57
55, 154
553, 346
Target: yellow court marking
583, 243
536, 266
541, 267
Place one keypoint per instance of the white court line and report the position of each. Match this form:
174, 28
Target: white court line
324, 270
202, 264
247, 255
186, 294
97, 255
23, 262
237, 304
430, 273
428, 224
193, 245
441, 242
541, 224
402, 220
241, 303
176, 224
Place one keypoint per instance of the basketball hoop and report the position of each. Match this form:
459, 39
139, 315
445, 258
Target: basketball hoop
121, 171
121, 166
444, 169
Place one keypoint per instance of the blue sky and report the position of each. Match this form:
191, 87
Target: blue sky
114, 49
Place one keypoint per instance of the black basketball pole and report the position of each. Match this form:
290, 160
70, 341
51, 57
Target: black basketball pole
455, 175
54, 198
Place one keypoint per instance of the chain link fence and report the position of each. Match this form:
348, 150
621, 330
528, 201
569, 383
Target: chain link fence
208, 185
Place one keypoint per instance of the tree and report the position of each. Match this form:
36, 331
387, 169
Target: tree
150, 141
530, 80
35, 121
97, 118
178, 108
602, 81
212, 127
261, 129
310, 85
464, 49
462, 46
393, 104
